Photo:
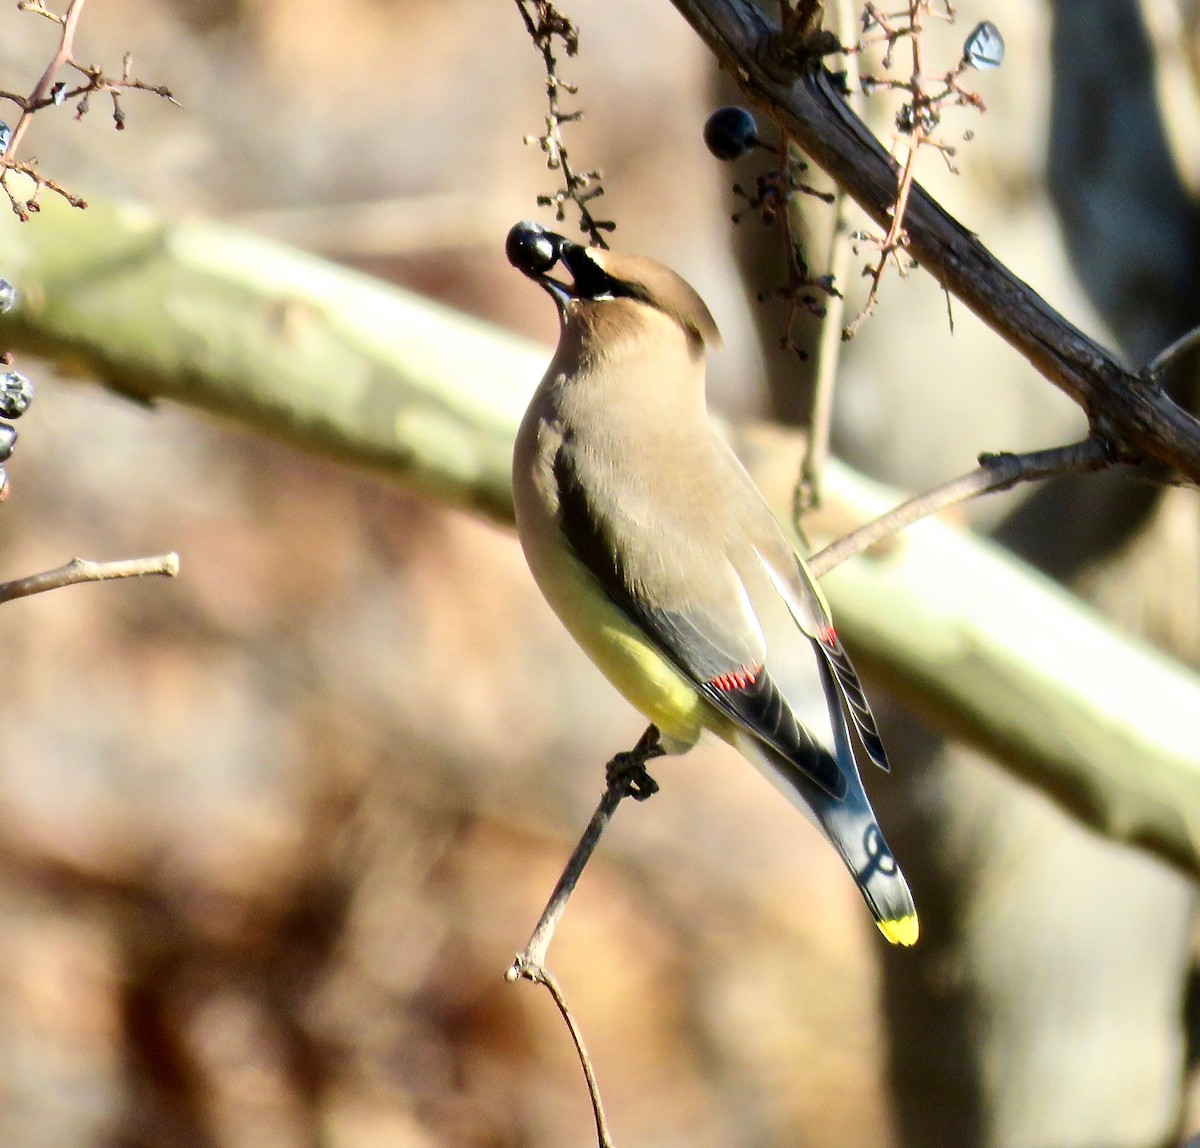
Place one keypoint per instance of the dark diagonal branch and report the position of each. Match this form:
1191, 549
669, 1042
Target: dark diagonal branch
1132, 412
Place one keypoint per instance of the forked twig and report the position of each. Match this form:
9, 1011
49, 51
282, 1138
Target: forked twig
41, 90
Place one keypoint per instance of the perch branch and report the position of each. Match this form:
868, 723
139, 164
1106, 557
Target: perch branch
626, 776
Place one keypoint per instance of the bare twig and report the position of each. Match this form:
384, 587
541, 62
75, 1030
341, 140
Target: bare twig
995, 472
626, 776
1154, 369
81, 570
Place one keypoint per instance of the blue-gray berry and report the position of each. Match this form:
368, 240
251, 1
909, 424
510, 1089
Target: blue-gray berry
16, 393
984, 47
730, 132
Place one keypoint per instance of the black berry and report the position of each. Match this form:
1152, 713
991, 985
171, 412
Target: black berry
531, 248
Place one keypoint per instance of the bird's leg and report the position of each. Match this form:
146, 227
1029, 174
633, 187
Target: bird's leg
625, 776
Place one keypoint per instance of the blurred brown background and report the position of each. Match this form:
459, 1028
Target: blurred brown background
271, 833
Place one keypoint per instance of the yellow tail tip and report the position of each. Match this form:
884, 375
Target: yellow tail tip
902, 930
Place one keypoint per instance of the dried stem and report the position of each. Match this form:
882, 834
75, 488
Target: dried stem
578, 187
917, 123
48, 92
81, 570
995, 472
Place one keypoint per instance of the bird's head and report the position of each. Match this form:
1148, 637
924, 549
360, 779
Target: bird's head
588, 277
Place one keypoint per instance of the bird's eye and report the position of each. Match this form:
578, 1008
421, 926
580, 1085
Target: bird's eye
532, 249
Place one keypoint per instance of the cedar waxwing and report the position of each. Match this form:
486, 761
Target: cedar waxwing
660, 556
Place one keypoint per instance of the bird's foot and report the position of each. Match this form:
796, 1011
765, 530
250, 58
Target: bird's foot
627, 771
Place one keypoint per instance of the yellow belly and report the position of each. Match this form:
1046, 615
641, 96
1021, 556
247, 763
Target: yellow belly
647, 680
618, 648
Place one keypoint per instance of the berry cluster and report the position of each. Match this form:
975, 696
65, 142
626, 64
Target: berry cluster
16, 391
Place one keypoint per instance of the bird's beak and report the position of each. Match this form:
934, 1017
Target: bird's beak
535, 252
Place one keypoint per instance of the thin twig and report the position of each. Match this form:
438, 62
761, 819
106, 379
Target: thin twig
995, 472
1164, 358
543, 976
807, 494
626, 776
81, 570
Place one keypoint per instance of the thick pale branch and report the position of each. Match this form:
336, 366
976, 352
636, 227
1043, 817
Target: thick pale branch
1127, 407
342, 364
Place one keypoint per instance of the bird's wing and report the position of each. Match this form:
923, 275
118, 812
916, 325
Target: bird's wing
810, 612
692, 605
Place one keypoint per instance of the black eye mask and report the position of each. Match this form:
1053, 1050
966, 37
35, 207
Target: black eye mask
591, 280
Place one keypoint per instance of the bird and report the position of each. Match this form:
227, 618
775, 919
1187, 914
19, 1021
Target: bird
650, 541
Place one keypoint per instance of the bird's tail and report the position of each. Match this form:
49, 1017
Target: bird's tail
852, 828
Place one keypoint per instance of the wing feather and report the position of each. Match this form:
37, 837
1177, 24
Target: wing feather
720, 648
809, 611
